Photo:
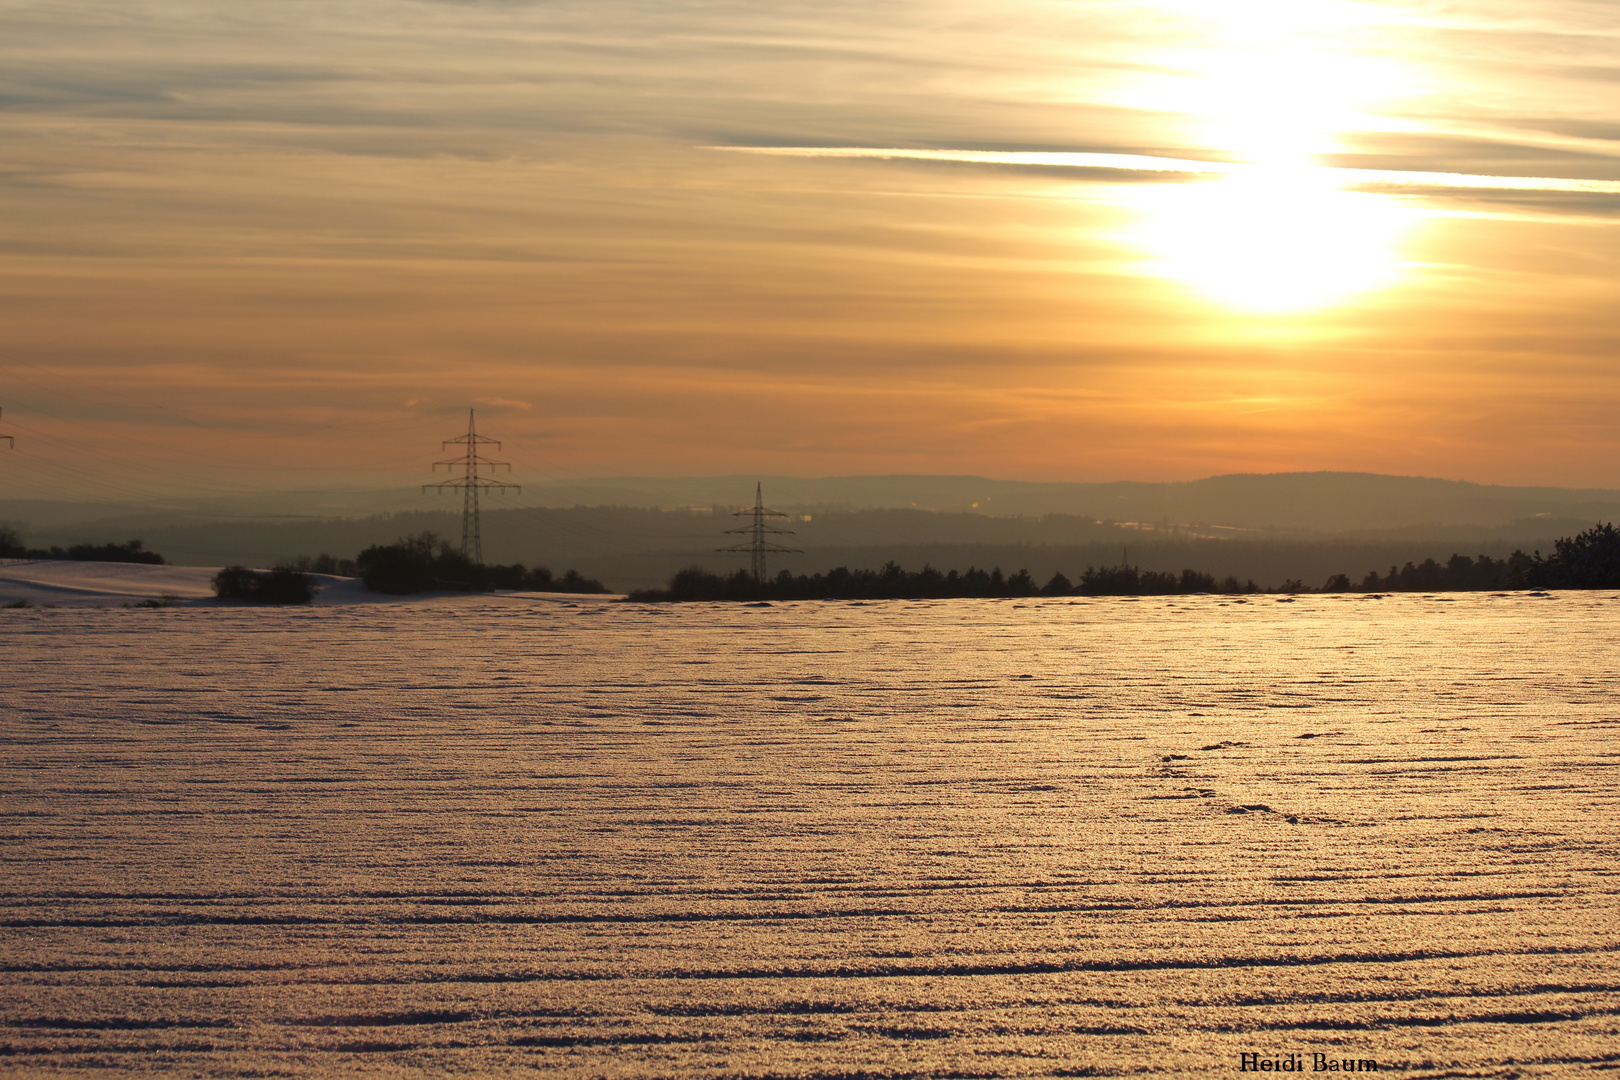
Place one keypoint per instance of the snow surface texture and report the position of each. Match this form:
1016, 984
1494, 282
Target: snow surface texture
58, 583
75, 584
956, 838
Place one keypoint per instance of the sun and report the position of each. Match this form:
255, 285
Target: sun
1272, 86
1272, 239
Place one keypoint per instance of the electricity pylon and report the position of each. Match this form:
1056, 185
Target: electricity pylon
757, 546
9, 441
470, 484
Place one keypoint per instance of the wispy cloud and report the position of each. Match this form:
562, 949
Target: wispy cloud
228, 205
1192, 168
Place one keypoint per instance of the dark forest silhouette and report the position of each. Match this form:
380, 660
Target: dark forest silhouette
264, 586
894, 582
414, 564
1590, 560
424, 562
134, 551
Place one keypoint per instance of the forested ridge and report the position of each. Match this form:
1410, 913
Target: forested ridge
1589, 560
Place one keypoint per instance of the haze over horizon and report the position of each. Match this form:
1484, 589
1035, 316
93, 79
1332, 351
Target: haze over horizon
255, 249
1328, 502
635, 532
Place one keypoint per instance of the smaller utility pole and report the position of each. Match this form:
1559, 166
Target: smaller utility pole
469, 483
757, 545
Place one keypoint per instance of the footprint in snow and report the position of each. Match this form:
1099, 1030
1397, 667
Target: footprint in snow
1262, 808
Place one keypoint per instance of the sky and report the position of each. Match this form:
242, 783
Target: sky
289, 244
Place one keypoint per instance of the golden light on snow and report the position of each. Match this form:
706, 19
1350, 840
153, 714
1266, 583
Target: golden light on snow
506, 836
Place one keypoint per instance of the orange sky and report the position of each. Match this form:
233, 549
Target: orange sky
288, 245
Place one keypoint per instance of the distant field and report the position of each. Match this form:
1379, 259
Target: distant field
902, 839
48, 583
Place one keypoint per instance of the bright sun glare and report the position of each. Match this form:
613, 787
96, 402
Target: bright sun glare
1272, 240
1272, 84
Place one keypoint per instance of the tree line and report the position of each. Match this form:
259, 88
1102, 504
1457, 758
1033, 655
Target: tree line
894, 582
134, 551
424, 562
1590, 560
414, 564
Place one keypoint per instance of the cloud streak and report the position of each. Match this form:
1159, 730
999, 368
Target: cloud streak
241, 210
1190, 167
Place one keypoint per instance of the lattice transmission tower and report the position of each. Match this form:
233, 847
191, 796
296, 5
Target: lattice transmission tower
470, 483
10, 442
757, 546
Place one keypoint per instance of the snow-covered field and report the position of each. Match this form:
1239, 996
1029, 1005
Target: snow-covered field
56, 583
497, 836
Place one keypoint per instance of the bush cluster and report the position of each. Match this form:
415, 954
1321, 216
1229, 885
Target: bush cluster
264, 586
424, 562
321, 564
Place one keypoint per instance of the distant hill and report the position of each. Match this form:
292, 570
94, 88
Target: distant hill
629, 548
1321, 502
1328, 502
633, 533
